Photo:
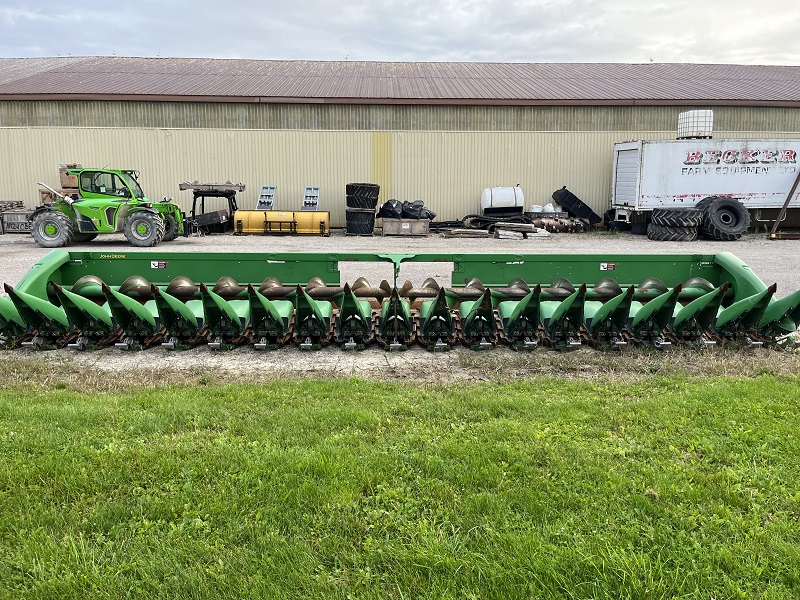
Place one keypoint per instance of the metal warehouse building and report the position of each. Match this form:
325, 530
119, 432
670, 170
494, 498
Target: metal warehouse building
440, 132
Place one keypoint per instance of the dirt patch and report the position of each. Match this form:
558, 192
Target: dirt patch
112, 369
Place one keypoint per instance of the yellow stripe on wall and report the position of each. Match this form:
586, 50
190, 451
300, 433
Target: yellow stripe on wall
382, 162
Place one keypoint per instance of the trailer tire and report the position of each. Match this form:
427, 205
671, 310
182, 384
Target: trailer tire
170, 228
52, 229
664, 233
639, 228
612, 224
144, 229
677, 217
724, 219
618, 226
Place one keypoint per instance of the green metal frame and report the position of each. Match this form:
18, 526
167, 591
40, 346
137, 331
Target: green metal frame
570, 301
295, 268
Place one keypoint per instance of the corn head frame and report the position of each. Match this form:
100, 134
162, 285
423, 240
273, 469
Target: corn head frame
136, 300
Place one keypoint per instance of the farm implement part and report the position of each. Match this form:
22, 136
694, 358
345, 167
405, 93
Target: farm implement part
137, 300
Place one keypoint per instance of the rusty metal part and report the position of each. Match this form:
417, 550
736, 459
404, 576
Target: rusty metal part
607, 287
516, 288
361, 288
560, 288
182, 287
272, 288
560, 224
652, 283
519, 284
474, 283
429, 289
227, 287
782, 214
698, 283
270, 282
136, 286
315, 282
87, 281
320, 292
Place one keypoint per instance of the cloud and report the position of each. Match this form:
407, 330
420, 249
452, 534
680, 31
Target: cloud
716, 31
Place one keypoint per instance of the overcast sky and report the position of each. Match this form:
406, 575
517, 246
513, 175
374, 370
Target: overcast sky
698, 31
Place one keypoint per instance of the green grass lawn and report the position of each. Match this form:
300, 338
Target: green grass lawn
347, 488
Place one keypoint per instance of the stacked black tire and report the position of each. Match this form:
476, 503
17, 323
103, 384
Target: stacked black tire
674, 224
716, 217
362, 202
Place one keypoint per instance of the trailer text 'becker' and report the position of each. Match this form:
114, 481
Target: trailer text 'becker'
743, 157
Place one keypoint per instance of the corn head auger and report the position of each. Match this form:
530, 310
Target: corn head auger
136, 300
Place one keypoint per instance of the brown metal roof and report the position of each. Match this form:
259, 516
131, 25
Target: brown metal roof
226, 80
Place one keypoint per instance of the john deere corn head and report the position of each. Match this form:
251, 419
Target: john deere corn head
136, 300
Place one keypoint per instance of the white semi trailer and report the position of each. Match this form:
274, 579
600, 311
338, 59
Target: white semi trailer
680, 173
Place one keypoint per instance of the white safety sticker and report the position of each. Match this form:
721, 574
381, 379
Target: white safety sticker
158, 264
608, 266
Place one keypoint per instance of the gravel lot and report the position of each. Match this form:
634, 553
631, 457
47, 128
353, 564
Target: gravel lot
773, 261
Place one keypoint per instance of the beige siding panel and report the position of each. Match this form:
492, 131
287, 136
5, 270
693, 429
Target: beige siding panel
450, 170
290, 160
447, 169
382, 162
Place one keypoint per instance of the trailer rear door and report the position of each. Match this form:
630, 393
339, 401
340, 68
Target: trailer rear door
626, 174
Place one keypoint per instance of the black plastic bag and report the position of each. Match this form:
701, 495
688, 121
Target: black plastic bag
391, 209
428, 214
413, 210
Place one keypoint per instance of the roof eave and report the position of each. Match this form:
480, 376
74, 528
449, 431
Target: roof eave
403, 101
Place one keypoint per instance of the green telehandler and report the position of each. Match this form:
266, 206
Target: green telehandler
96, 201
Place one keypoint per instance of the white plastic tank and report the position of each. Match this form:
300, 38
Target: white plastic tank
502, 197
695, 124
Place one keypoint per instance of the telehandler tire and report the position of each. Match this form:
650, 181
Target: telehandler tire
144, 229
170, 228
52, 229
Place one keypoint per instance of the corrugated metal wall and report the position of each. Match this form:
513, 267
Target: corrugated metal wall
541, 148
365, 117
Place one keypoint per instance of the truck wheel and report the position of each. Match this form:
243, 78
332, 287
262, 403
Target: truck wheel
52, 229
84, 237
677, 217
725, 219
170, 228
663, 233
144, 229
